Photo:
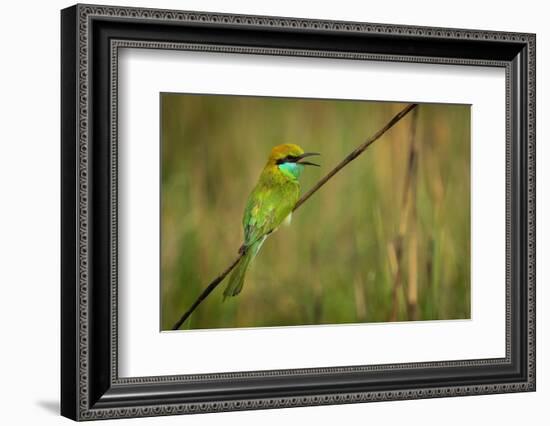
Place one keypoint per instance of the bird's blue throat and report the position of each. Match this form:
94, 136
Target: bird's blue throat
292, 170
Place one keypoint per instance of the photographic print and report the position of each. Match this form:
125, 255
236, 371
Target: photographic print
386, 239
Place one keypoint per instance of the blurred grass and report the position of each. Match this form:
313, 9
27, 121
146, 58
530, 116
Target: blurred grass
331, 265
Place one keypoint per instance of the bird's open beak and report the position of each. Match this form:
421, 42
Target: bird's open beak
304, 155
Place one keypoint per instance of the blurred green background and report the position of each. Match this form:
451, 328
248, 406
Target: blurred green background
387, 239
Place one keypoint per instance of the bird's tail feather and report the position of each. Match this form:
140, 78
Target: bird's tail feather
236, 279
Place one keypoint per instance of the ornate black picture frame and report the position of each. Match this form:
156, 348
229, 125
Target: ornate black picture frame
91, 387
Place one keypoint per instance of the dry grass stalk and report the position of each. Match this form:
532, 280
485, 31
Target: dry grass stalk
407, 216
360, 297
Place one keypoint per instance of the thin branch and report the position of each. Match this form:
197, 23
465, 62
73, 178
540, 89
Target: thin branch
207, 291
353, 155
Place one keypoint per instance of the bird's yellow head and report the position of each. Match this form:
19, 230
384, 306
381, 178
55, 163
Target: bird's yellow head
289, 159
290, 153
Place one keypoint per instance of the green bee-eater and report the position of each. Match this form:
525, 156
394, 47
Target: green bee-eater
269, 204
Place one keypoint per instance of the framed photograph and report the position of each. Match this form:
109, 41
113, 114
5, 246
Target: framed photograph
263, 212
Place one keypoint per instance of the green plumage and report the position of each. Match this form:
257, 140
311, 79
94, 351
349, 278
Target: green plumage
268, 205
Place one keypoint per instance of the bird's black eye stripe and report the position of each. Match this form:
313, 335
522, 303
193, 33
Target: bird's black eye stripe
288, 158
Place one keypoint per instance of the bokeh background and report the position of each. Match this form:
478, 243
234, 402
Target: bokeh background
387, 239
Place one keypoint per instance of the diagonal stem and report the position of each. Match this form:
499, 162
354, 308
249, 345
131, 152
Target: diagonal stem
349, 158
354, 154
207, 291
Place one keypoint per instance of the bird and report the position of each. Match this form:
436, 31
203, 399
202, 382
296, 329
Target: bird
269, 204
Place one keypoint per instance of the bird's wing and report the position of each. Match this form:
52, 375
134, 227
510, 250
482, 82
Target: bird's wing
266, 209
259, 216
